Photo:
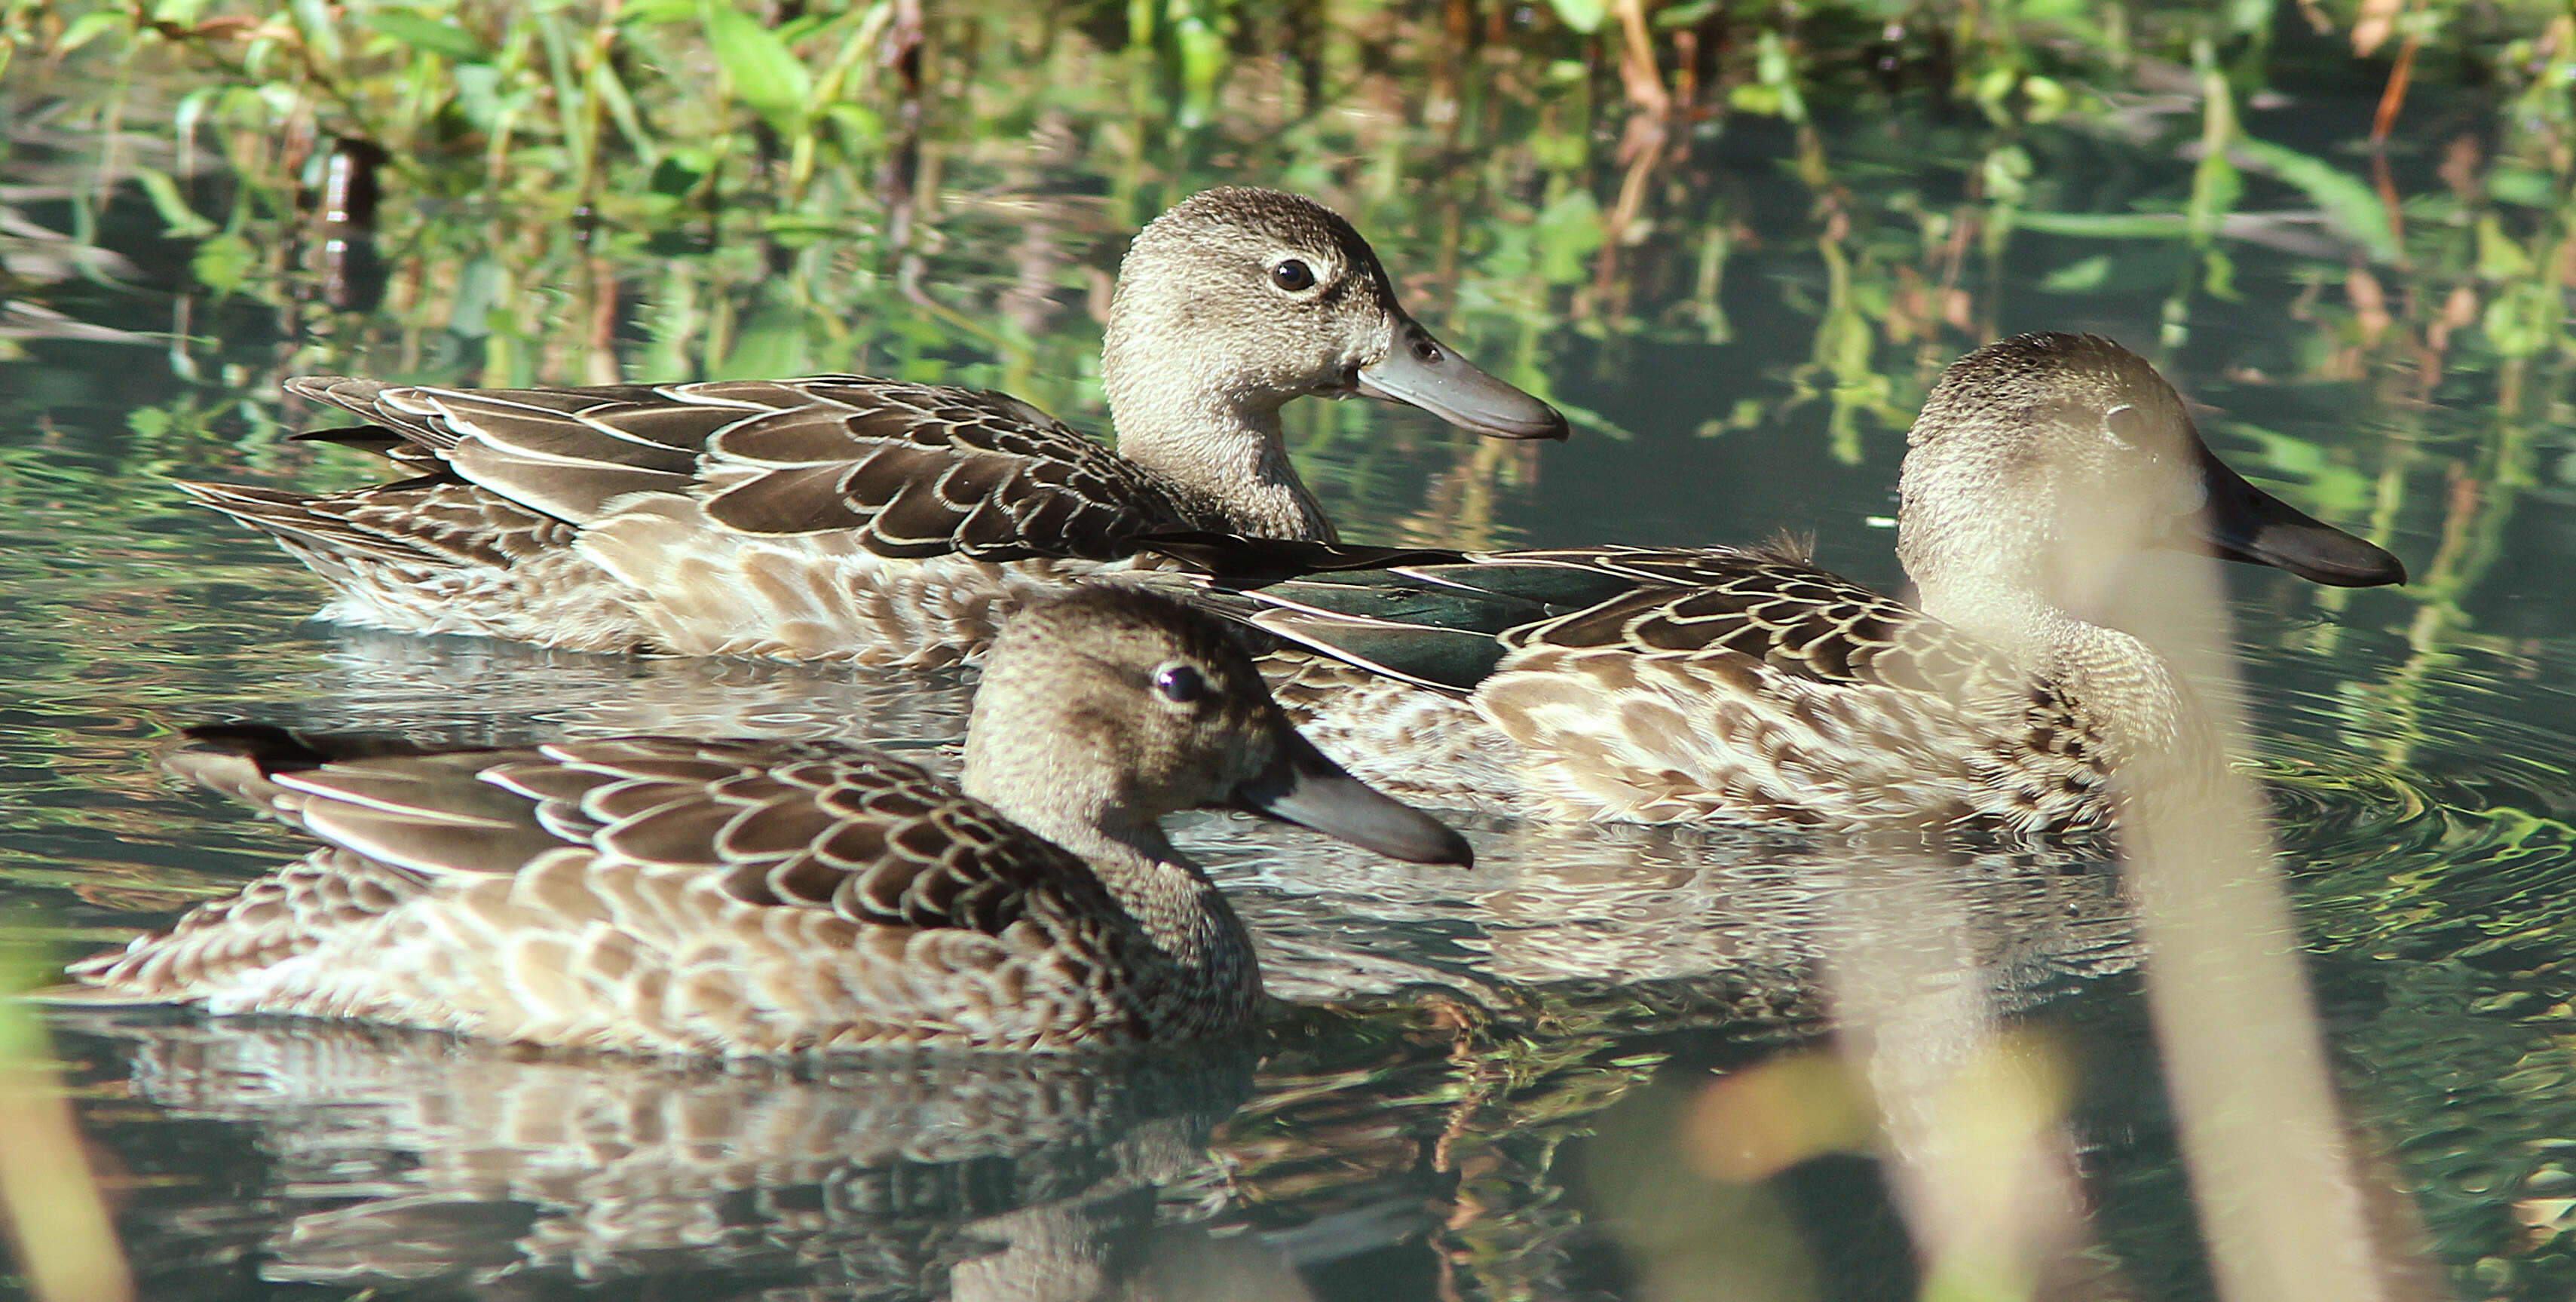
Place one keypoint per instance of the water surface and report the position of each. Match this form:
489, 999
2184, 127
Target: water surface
1599, 1064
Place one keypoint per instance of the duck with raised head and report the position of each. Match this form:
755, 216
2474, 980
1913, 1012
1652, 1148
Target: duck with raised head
842, 517
1748, 685
667, 895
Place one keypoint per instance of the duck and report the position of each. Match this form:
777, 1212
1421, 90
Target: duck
762, 898
1748, 685
841, 517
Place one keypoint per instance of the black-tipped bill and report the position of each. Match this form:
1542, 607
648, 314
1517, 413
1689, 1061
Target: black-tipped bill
2244, 523
1303, 787
1420, 370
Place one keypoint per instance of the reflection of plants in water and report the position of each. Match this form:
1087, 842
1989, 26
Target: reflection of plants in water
134, 622
662, 188
1470, 1107
2441, 922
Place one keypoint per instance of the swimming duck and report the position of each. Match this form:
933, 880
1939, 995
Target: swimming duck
842, 517
1746, 684
667, 895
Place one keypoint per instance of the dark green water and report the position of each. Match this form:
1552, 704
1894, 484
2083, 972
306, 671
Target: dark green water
1512, 1082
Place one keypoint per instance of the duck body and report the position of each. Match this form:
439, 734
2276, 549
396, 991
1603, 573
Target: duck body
1748, 685
656, 894
1670, 685
667, 895
822, 518
844, 517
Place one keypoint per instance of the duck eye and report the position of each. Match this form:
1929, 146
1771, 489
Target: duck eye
1292, 274
2126, 425
1180, 683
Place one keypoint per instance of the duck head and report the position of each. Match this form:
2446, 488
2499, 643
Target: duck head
2042, 460
1105, 711
1249, 297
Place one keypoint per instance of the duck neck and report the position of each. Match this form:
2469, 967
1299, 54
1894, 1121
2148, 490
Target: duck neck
1205, 949
1219, 452
1179, 910
2103, 673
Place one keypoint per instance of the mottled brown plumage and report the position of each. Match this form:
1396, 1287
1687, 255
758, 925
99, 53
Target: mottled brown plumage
1640, 705
659, 894
1748, 685
842, 517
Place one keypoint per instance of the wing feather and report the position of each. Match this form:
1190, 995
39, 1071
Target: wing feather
813, 826
1408, 620
1658, 684
911, 470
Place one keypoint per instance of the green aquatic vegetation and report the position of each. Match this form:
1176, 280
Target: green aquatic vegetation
585, 141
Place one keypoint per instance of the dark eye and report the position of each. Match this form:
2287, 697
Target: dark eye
2128, 424
1292, 275
1180, 683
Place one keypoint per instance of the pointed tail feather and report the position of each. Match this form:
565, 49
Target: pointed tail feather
239, 759
301, 524
69, 995
1255, 561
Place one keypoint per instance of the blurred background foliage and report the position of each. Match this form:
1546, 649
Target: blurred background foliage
672, 188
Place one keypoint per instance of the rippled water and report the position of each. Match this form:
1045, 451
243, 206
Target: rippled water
1599, 1064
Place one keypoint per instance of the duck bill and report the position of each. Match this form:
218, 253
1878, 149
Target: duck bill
2243, 523
1422, 371
1301, 786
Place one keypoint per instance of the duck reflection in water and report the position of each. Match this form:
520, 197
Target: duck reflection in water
470, 691
388, 1156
